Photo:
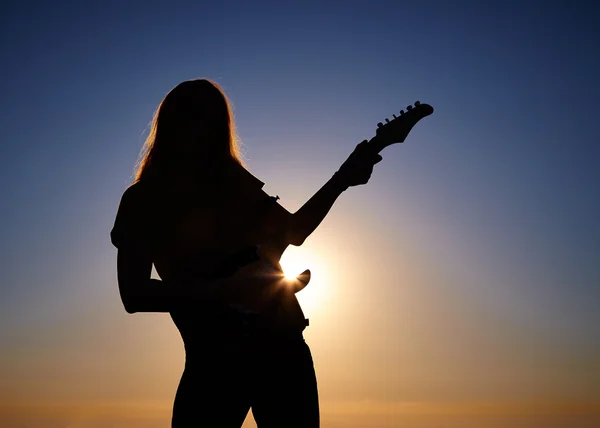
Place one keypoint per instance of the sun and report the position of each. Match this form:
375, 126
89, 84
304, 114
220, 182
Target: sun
293, 268
295, 264
295, 261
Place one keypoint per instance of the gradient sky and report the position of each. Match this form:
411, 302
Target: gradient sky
465, 274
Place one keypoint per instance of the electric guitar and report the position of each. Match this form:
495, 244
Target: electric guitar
286, 306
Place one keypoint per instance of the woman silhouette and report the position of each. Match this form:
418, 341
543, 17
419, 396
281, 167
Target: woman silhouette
215, 238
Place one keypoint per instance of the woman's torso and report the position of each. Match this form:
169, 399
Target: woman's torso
197, 231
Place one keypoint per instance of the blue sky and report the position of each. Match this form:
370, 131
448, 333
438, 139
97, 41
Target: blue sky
496, 194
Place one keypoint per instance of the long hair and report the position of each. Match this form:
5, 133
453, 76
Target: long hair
188, 106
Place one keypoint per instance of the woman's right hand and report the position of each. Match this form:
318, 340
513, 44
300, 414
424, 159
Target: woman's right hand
256, 285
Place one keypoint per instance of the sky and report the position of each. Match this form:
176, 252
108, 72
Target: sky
459, 288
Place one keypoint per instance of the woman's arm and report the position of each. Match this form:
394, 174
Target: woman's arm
356, 170
304, 221
141, 293
131, 236
252, 285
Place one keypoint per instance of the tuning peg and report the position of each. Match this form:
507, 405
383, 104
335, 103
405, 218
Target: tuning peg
379, 125
395, 117
409, 108
417, 103
401, 112
387, 120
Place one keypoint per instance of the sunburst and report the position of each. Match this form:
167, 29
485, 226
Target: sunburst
295, 261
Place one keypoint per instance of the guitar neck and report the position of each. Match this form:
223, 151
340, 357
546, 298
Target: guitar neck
378, 144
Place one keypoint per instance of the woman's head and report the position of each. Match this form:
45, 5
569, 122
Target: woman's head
192, 128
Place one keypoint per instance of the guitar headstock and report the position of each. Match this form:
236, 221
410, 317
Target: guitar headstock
397, 129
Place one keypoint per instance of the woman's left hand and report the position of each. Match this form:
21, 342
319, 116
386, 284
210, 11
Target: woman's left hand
357, 169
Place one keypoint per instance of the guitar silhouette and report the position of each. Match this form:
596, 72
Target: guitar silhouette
284, 307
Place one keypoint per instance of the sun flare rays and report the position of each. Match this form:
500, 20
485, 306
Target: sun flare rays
295, 261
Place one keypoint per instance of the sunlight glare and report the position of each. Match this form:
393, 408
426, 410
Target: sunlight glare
295, 264
295, 261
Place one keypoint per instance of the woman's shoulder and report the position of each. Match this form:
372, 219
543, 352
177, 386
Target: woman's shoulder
135, 191
246, 178
139, 193
245, 183
136, 201
127, 229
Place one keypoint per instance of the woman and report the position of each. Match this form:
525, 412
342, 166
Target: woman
215, 238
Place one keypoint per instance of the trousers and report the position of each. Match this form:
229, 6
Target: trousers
223, 379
